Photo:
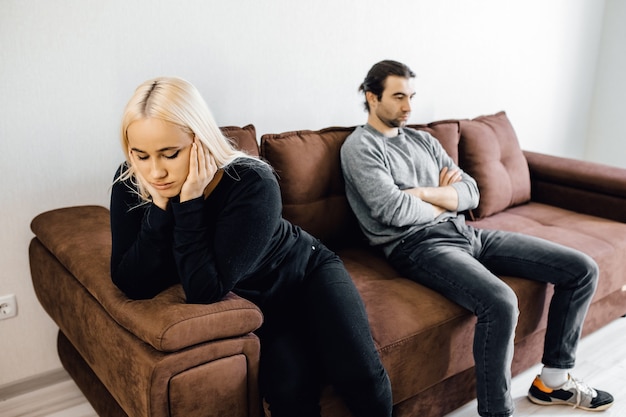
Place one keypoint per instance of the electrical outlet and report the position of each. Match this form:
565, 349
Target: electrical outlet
8, 306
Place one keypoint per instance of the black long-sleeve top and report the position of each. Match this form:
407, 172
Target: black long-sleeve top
234, 240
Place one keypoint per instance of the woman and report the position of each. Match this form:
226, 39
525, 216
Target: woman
186, 207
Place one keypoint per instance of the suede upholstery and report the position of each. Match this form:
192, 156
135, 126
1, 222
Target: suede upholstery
161, 357
169, 330
243, 138
492, 155
448, 132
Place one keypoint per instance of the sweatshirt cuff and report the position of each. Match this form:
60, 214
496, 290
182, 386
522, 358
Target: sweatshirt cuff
465, 196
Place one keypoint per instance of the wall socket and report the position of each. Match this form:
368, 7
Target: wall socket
8, 306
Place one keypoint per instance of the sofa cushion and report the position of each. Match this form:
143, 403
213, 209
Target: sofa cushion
243, 138
419, 321
408, 321
447, 132
309, 173
602, 239
490, 152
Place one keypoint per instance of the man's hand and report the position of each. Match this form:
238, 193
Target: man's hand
444, 197
449, 177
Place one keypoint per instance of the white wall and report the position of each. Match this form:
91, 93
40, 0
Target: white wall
67, 68
606, 141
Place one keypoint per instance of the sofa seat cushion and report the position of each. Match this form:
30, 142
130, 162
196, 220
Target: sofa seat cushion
409, 322
490, 152
80, 238
604, 240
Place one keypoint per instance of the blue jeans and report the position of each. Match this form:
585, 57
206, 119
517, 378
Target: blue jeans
462, 263
321, 335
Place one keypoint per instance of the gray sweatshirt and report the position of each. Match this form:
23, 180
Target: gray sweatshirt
376, 170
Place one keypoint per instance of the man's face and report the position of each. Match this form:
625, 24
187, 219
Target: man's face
394, 107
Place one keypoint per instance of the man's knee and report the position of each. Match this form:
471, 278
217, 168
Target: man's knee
592, 270
587, 272
502, 306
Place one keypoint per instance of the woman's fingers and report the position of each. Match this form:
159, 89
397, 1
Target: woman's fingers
202, 168
193, 161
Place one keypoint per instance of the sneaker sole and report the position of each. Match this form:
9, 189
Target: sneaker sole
560, 402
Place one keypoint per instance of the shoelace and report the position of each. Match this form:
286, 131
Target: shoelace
580, 388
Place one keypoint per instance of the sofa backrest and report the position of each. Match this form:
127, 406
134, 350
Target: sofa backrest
309, 169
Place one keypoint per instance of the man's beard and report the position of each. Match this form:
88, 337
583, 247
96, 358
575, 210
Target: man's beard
396, 123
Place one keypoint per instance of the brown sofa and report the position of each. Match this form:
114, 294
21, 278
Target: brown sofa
162, 357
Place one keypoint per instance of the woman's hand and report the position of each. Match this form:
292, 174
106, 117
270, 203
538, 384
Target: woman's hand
202, 168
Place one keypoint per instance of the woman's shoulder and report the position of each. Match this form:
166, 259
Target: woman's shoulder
248, 177
123, 179
124, 187
242, 168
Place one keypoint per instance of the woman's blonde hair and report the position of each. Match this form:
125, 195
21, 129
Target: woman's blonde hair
176, 101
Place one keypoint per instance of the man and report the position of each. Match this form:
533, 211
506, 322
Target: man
406, 193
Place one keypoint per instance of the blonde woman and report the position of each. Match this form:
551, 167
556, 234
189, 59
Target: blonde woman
186, 207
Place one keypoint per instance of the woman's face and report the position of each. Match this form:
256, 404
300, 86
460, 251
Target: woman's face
159, 152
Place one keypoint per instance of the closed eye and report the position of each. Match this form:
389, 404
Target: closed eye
172, 156
168, 153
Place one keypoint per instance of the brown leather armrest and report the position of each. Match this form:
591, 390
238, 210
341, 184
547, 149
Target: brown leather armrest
80, 238
582, 186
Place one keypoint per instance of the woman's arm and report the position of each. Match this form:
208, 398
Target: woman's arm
142, 264
215, 248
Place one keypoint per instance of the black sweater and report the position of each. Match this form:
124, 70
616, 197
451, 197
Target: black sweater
234, 240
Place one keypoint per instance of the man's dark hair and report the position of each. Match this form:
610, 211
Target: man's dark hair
375, 80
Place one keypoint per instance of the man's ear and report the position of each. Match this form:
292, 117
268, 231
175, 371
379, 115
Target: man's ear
371, 98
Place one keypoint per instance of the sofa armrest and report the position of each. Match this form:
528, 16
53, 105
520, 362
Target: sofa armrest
581, 186
80, 239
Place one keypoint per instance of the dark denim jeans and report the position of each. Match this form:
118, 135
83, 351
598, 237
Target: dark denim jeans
322, 335
461, 263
